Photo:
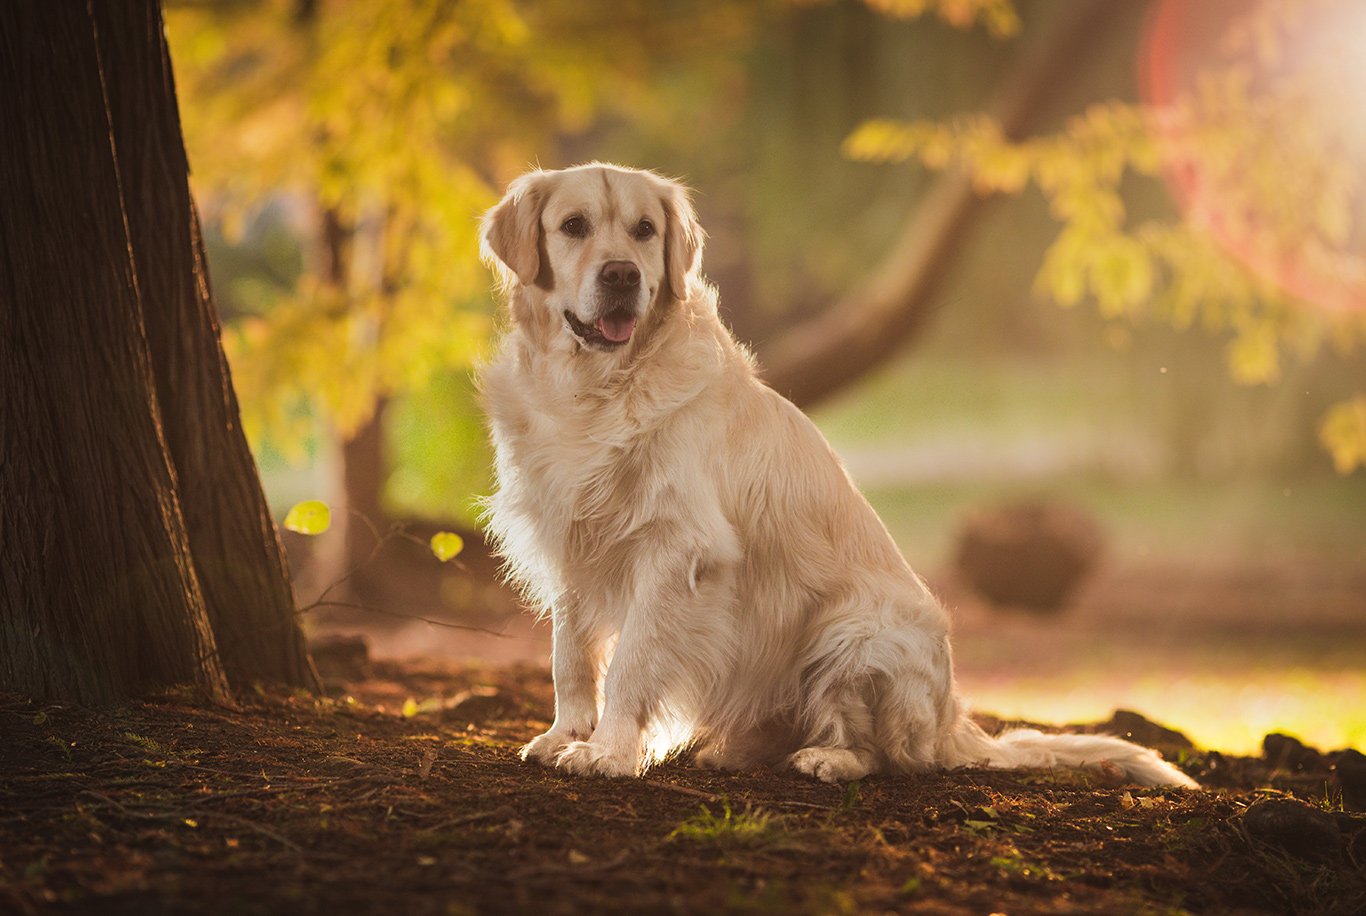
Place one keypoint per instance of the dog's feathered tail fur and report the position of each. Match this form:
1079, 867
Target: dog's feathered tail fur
968, 745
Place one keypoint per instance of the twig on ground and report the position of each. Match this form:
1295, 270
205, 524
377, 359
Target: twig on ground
588, 868
793, 803
683, 790
269, 790
502, 811
164, 814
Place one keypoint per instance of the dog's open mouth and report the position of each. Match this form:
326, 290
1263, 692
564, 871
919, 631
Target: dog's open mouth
611, 330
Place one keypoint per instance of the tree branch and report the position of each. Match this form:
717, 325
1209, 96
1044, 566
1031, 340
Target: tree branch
821, 355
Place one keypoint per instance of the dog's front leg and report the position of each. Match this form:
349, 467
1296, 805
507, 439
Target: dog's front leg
675, 645
617, 745
575, 656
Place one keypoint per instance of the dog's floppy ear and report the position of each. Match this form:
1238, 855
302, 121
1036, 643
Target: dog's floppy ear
682, 240
510, 232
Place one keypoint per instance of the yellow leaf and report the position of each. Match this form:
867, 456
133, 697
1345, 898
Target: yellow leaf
312, 516
1122, 276
1254, 356
1003, 168
410, 708
1343, 432
883, 140
1063, 274
447, 545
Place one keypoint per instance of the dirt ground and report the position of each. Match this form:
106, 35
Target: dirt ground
371, 801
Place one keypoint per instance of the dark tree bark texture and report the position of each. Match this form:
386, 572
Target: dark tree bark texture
236, 548
136, 550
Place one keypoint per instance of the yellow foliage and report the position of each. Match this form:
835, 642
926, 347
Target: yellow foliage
1121, 275
396, 121
1272, 151
1343, 433
998, 16
1254, 356
1063, 274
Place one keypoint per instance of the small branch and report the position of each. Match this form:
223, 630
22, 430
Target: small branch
258, 828
587, 868
793, 803
682, 790
814, 358
503, 811
163, 815
380, 541
446, 624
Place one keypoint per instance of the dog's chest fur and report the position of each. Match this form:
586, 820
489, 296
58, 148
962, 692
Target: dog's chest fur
585, 464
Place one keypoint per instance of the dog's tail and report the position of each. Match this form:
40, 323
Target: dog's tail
969, 745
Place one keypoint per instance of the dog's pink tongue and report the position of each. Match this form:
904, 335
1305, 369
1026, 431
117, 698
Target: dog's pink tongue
617, 326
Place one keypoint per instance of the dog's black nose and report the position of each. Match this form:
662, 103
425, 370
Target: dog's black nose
619, 275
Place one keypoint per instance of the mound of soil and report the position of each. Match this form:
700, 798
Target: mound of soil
1029, 555
403, 794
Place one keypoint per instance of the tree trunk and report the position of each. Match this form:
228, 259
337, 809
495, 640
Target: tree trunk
236, 548
135, 547
364, 469
363, 465
819, 356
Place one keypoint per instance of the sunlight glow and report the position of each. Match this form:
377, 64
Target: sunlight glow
1262, 107
1228, 712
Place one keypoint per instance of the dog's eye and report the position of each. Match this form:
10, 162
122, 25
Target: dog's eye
644, 230
575, 226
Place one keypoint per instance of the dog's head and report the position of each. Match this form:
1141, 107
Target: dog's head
595, 249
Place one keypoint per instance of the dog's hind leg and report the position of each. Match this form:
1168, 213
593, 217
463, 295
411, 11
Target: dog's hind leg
878, 682
840, 734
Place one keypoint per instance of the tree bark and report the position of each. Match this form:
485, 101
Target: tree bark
135, 549
816, 358
236, 549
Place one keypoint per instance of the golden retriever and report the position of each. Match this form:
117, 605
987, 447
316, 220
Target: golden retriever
713, 577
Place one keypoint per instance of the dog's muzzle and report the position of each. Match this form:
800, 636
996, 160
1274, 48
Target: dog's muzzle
611, 330
618, 287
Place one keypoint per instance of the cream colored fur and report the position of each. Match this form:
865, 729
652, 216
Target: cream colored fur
713, 577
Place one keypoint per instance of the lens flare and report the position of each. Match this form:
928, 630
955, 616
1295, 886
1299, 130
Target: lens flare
1262, 113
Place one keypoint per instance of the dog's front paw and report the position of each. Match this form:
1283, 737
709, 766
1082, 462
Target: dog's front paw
583, 758
543, 749
830, 764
